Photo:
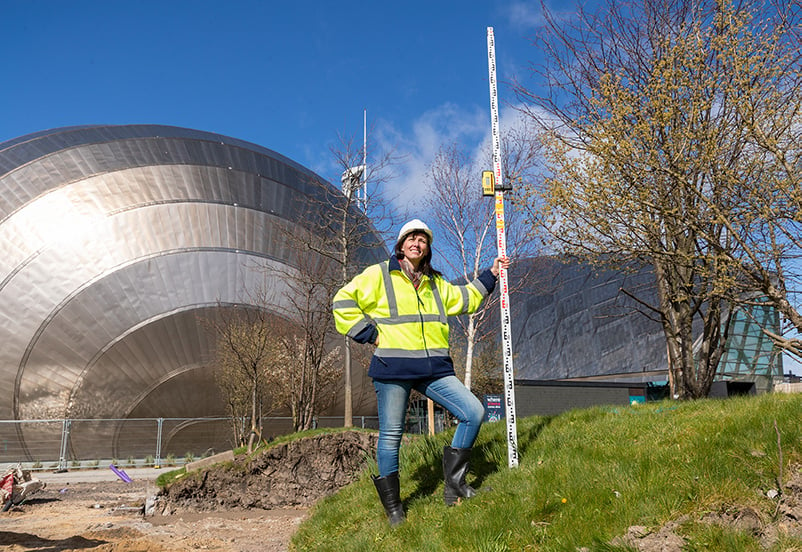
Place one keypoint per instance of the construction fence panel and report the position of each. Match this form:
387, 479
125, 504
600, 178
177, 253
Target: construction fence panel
61, 444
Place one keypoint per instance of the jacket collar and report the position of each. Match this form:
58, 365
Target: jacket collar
394, 264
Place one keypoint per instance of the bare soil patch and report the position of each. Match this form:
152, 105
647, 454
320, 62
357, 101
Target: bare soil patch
249, 506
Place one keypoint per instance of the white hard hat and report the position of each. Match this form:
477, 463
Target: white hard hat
413, 226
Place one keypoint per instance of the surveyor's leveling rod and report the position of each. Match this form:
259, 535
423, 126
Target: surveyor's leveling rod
501, 241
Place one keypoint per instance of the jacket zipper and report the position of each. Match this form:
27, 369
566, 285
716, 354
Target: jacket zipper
423, 330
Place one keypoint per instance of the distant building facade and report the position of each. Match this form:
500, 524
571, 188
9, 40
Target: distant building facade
572, 322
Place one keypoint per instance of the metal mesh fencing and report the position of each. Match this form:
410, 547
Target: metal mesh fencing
62, 444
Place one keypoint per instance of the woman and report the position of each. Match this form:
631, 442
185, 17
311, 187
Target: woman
401, 306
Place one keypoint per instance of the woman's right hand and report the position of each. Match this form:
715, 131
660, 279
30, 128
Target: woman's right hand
499, 263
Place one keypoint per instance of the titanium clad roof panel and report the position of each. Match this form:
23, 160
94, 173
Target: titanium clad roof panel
168, 396
64, 168
114, 240
109, 309
25, 149
115, 382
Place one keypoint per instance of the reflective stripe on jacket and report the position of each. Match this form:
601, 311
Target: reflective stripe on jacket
411, 325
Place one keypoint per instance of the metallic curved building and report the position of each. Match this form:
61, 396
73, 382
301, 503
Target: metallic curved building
116, 242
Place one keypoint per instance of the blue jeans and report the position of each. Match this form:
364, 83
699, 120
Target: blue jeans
392, 397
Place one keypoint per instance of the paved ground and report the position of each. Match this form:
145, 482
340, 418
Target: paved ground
100, 474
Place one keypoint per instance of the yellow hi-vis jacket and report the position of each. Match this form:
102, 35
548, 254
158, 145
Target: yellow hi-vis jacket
410, 325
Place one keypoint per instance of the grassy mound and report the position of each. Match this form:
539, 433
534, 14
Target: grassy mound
704, 475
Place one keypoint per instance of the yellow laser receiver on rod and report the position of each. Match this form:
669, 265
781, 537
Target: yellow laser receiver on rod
488, 183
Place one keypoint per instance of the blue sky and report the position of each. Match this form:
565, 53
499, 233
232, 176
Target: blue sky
289, 76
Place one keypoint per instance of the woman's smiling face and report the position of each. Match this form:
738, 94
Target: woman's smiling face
415, 247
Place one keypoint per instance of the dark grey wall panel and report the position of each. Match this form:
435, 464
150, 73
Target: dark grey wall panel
571, 321
551, 398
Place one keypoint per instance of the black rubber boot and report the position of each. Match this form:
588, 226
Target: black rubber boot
389, 490
456, 463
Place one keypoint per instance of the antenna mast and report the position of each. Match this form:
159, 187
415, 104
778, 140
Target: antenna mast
365, 160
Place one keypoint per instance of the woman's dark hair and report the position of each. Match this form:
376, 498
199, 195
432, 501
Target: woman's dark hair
425, 263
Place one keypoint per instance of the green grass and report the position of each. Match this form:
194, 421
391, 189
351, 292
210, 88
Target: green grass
584, 477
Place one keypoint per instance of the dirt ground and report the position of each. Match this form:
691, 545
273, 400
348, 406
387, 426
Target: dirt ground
107, 516
253, 506
257, 505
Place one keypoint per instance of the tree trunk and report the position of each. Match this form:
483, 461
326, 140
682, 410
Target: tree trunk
677, 321
470, 338
252, 436
348, 413
691, 375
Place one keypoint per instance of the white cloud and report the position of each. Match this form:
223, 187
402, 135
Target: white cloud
510, 118
418, 146
524, 15
417, 143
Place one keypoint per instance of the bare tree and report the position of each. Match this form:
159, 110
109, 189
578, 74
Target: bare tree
341, 231
487, 374
234, 388
280, 353
650, 155
248, 347
467, 221
303, 377
305, 381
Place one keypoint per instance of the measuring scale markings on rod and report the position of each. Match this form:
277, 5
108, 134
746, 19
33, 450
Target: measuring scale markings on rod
501, 242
